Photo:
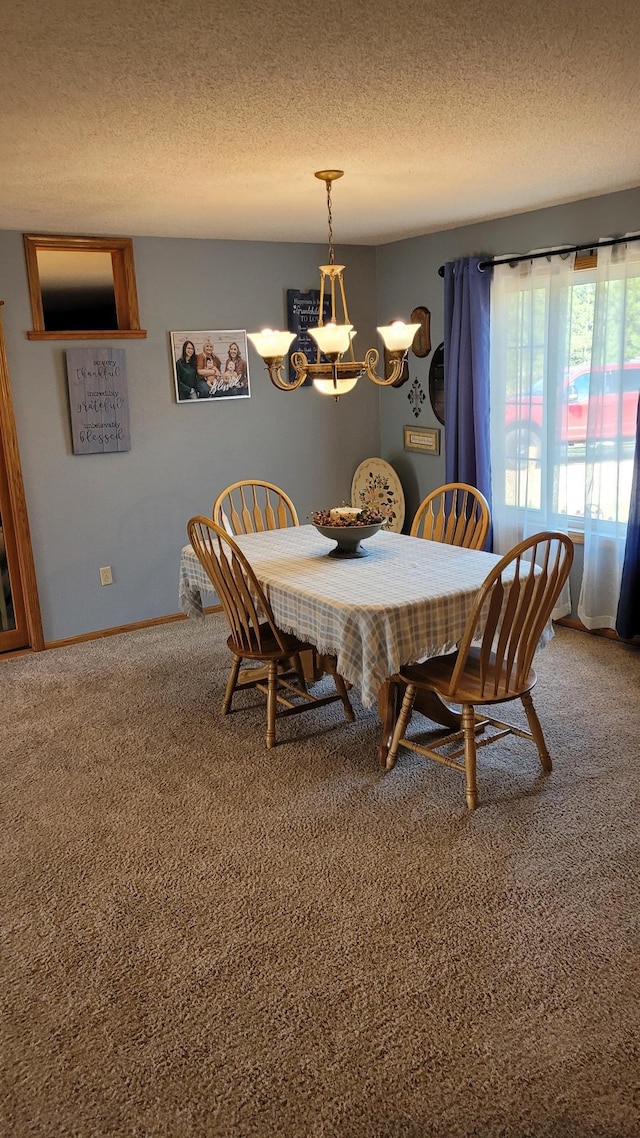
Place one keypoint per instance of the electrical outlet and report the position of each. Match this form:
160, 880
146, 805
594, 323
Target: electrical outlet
106, 577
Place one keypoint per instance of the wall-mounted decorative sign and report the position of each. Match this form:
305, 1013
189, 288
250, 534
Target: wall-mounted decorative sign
416, 397
303, 309
425, 439
210, 365
98, 400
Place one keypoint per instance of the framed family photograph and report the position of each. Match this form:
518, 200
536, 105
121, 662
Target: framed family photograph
210, 365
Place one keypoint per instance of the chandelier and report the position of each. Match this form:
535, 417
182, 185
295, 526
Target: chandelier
336, 369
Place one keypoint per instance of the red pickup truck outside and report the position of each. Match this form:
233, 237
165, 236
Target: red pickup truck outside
613, 411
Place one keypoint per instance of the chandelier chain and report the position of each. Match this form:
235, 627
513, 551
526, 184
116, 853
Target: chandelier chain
330, 218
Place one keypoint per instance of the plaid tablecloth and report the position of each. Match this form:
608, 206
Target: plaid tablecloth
406, 600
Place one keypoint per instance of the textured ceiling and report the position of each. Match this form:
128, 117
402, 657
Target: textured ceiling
201, 119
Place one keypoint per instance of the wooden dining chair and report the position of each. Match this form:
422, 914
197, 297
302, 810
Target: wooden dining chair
250, 507
254, 633
456, 514
493, 662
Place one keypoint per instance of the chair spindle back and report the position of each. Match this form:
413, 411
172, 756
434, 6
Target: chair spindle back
512, 610
241, 596
250, 507
456, 514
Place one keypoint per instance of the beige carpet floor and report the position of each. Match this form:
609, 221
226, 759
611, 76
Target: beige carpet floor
203, 938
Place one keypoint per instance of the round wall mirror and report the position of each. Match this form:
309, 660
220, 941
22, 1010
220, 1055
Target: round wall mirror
436, 383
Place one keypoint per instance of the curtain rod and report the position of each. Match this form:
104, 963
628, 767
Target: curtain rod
549, 252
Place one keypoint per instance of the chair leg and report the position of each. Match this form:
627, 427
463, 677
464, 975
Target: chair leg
536, 731
401, 725
299, 670
231, 684
469, 729
341, 688
272, 684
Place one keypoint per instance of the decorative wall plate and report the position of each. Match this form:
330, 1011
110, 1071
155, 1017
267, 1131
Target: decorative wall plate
376, 486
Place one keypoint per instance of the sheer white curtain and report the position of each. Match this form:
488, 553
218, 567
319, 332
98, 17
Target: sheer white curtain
562, 390
609, 464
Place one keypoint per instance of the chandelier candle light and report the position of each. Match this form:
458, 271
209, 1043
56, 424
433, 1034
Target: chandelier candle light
333, 375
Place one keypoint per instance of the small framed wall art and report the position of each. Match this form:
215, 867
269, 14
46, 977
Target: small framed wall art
425, 439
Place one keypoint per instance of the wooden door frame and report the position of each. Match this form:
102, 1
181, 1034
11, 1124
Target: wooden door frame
18, 505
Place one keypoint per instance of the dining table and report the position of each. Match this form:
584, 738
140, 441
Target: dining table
404, 600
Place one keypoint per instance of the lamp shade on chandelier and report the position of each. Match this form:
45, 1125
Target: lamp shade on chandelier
336, 369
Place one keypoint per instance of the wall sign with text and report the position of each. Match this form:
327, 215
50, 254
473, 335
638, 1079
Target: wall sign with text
303, 309
98, 400
425, 439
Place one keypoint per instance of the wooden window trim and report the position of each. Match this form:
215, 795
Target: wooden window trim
585, 260
20, 538
124, 283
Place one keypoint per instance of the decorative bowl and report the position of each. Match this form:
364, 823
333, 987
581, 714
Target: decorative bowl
348, 538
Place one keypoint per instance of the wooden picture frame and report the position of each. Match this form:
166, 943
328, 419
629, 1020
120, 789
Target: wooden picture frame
64, 288
424, 439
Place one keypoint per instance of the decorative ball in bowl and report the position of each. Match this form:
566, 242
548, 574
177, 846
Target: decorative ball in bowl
347, 526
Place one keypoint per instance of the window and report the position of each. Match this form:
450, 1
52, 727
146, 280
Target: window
82, 288
565, 379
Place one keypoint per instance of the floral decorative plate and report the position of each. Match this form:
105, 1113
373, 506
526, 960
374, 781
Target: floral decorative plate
376, 486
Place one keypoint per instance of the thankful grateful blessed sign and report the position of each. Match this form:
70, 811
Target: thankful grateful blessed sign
98, 400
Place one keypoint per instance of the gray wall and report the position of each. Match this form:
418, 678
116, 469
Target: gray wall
130, 510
